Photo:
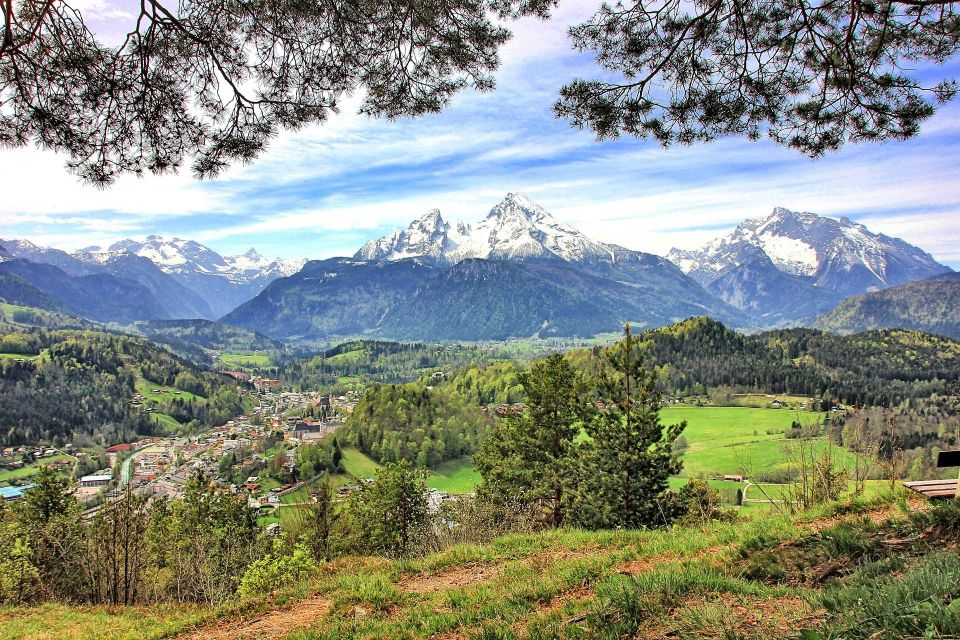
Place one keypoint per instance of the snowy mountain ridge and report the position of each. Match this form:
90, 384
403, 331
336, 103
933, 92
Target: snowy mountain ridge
181, 257
515, 229
837, 254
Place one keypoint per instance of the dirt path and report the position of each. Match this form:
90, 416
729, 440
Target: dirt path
270, 625
460, 576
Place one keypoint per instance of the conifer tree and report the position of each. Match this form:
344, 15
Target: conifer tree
625, 466
530, 457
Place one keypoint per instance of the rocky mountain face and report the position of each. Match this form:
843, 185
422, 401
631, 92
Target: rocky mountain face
931, 305
835, 257
770, 296
836, 254
517, 272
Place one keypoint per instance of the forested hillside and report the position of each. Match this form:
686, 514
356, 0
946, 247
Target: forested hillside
374, 361
879, 368
57, 386
873, 368
412, 422
927, 305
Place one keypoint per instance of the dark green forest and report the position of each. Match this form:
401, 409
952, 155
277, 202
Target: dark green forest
79, 384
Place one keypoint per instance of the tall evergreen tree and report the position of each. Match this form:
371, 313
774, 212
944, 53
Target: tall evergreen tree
530, 457
625, 465
390, 513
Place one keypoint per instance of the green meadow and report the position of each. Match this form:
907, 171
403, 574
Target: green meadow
720, 441
248, 360
734, 440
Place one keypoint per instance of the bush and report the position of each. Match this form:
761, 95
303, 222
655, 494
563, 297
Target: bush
700, 504
276, 570
18, 575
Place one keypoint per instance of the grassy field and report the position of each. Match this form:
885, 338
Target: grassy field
146, 388
247, 360
8, 475
454, 476
150, 399
356, 356
724, 440
760, 578
121, 623
721, 440
358, 464
18, 356
167, 422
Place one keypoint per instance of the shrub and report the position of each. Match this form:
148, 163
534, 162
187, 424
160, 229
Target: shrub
276, 570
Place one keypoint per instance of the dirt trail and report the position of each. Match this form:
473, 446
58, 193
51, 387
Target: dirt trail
466, 575
270, 625
460, 576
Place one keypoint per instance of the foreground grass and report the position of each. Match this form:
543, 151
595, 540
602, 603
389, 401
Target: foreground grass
83, 623
692, 582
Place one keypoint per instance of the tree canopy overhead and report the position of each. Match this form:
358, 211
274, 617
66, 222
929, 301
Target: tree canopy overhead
810, 74
213, 81
209, 83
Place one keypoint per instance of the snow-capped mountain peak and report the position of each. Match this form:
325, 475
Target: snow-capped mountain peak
516, 228
837, 254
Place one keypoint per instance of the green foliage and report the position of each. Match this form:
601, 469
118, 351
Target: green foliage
699, 504
629, 457
326, 457
389, 516
276, 569
199, 546
530, 457
19, 577
828, 73
411, 422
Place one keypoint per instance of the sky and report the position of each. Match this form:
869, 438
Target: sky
324, 191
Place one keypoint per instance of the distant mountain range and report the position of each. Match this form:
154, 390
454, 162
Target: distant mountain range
515, 229
222, 281
789, 266
517, 272
167, 279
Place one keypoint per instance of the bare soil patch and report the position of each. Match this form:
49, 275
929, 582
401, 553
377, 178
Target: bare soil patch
459, 576
277, 623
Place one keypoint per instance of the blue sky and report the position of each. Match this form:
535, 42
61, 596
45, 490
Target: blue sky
324, 191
